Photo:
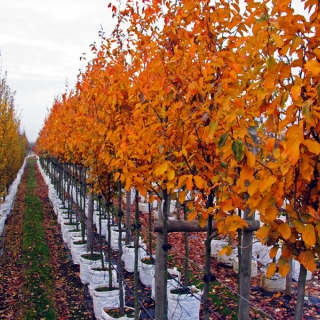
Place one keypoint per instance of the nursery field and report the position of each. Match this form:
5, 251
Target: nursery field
39, 281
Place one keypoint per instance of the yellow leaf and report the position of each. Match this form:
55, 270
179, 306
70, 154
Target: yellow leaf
263, 233
251, 159
182, 196
271, 214
212, 129
313, 146
268, 82
295, 92
161, 169
308, 260
266, 183
313, 66
227, 206
189, 183
273, 252
298, 225
285, 230
295, 43
234, 223
308, 235
202, 222
199, 182
286, 251
116, 176
225, 250
182, 180
314, 213
192, 215
246, 173
294, 137
171, 174
277, 39
142, 190
253, 187
317, 52
284, 267
270, 144
271, 269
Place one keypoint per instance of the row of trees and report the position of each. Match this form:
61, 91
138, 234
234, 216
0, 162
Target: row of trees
211, 98
13, 143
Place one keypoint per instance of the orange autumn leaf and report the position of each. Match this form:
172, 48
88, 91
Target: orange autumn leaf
308, 260
225, 250
313, 146
284, 267
271, 270
263, 233
285, 230
286, 251
313, 66
199, 182
271, 214
295, 92
273, 252
251, 159
308, 235
266, 183
192, 215
294, 139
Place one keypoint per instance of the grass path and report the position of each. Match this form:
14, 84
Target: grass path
37, 280
38, 289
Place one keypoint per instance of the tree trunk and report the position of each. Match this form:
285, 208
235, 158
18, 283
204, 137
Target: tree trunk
186, 250
161, 271
289, 280
90, 224
120, 268
245, 270
128, 211
150, 229
207, 278
136, 256
298, 313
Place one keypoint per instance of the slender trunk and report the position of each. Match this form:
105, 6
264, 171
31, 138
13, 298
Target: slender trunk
82, 188
150, 229
128, 206
90, 224
239, 250
298, 313
109, 246
207, 273
136, 256
245, 270
100, 227
161, 272
206, 288
289, 280
186, 249
120, 213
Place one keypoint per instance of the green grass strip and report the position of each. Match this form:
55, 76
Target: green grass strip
38, 288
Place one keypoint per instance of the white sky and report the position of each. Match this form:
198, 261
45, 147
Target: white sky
41, 42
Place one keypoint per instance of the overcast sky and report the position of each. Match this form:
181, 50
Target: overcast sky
41, 42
